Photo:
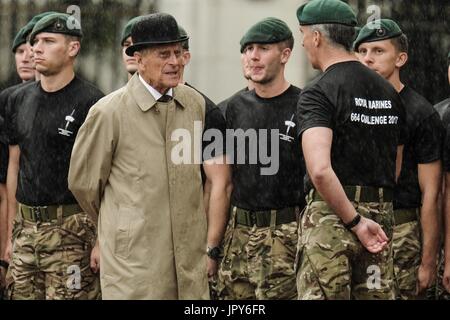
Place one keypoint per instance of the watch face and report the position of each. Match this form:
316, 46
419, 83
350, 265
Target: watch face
214, 253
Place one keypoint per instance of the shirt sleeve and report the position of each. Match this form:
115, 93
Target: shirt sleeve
314, 110
428, 139
213, 143
11, 134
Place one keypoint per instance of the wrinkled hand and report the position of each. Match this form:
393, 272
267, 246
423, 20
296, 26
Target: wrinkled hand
371, 235
211, 267
425, 277
95, 258
446, 277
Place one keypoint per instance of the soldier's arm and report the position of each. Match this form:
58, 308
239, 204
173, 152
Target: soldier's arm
11, 187
91, 160
316, 143
430, 183
218, 177
398, 162
446, 278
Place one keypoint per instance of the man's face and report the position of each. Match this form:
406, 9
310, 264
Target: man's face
449, 74
245, 66
308, 43
265, 62
130, 63
160, 66
380, 56
24, 64
53, 52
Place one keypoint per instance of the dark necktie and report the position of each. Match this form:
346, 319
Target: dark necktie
165, 98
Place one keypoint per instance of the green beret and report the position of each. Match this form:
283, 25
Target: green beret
268, 30
326, 12
126, 32
23, 33
183, 33
387, 29
19, 40
57, 23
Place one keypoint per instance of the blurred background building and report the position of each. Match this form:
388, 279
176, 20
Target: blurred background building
215, 28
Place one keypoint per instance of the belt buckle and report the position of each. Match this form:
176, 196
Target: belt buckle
252, 218
38, 213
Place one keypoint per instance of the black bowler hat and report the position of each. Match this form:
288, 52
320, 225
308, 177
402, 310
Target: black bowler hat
154, 29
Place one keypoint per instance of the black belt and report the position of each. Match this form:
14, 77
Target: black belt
402, 216
48, 213
366, 194
262, 218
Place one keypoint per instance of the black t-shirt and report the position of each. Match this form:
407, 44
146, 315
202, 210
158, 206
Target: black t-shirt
4, 153
367, 118
442, 107
446, 156
223, 106
213, 120
423, 146
263, 177
45, 126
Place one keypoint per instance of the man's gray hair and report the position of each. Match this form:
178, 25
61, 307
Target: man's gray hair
338, 35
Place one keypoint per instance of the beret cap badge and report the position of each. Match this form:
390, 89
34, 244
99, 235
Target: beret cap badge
381, 32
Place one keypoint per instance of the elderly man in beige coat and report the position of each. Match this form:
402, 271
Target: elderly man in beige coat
153, 230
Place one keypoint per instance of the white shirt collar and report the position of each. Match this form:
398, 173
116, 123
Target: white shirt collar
155, 93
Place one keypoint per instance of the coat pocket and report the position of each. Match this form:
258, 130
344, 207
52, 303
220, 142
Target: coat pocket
129, 220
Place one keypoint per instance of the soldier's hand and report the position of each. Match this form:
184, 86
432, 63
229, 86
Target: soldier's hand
8, 251
446, 277
371, 235
95, 258
425, 277
211, 267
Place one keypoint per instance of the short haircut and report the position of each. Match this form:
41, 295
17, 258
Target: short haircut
400, 43
288, 43
338, 34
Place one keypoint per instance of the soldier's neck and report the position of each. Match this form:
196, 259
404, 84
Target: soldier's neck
271, 89
394, 79
56, 82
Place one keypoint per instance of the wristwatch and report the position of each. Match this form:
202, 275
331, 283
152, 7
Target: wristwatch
4, 264
213, 252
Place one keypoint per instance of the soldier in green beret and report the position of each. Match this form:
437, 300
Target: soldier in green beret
261, 236
129, 62
350, 125
26, 72
53, 239
383, 47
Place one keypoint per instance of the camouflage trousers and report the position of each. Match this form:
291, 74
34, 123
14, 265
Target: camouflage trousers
258, 263
52, 260
333, 264
407, 248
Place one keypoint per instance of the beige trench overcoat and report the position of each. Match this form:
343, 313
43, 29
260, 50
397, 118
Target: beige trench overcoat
151, 219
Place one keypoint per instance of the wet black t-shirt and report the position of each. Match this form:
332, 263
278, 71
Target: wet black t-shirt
446, 156
268, 167
44, 125
213, 120
367, 118
423, 146
4, 153
223, 106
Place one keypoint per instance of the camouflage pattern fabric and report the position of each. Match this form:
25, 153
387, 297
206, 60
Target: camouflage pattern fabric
51, 260
437, 291
332, 263
406, 247
258, 263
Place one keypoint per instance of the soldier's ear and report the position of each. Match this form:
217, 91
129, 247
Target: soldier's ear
402, 58
74, 48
